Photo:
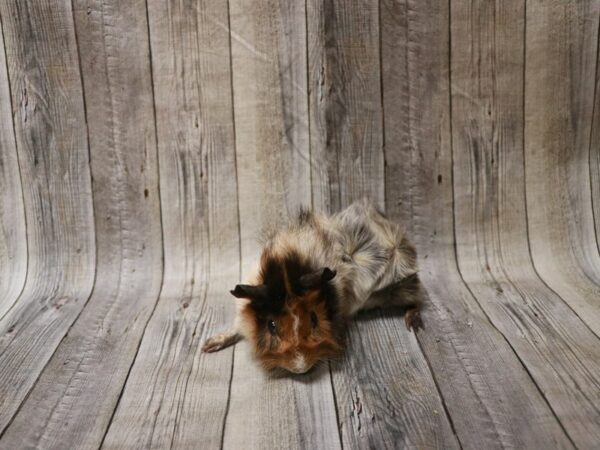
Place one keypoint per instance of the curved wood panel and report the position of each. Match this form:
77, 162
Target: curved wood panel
13, 241
559, 103
52, 145
491, 225
177, 396
120, 116
475, 368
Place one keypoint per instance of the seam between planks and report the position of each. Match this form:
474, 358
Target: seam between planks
237, 187
19, 167
439, 391
335, 404
310, 168
594, 219
407, 39
161, 234
333, 391
382, 103
312, 205
431, 371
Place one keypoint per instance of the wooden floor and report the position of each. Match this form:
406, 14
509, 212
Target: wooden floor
144, 145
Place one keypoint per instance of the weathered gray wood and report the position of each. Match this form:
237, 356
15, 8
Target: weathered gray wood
270, 94
558, 113
53, 156
73, 401
302, 103
489, 395
345, 102
560, 353
594, 151
271, 118
386, 395
13, 243
177, 396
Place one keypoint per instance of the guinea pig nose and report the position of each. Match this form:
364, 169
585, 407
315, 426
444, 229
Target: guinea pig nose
299, 364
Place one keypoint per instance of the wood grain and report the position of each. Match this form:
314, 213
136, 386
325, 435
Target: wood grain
386, 396
13, 241
271, 118
145, 146
558, 114
490, 210
345, 102
270, 93
65, 410
489, 395
594, 150
52, 146
177, 396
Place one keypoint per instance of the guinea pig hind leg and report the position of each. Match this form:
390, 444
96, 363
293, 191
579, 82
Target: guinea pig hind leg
412, 318
220, 341
406, 294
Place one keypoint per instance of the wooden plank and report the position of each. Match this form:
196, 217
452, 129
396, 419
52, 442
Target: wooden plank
13, 241
386, 395
271, 118
560, 353
270, 94
73, 401
558, 114
488, 393
594, 152
177, 396
53, 155
345, 102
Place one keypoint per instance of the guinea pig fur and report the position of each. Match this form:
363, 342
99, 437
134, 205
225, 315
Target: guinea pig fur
316, 274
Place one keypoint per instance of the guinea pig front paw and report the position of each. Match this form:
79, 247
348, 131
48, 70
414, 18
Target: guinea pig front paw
215, 343
220, 341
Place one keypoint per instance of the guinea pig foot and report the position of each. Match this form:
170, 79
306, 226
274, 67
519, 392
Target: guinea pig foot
219, 342
412, 319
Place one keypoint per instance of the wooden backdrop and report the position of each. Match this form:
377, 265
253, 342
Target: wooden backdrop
143, 144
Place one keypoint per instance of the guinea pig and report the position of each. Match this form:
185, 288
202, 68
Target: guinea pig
314, 275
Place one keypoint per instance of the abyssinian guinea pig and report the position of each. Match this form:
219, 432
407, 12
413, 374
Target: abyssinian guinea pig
316, 274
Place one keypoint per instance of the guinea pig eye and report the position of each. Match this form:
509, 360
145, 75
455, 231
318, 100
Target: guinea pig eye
314, 320
272, 327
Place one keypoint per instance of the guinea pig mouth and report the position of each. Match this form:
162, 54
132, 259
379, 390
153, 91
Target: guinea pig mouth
299, 365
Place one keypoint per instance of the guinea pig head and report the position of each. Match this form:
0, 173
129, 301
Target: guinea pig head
292, 318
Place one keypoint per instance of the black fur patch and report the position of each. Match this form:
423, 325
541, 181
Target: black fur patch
295, 267
273, 273
331, 302
273, 277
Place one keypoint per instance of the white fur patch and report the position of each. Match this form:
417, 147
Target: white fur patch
300, 364
296, 326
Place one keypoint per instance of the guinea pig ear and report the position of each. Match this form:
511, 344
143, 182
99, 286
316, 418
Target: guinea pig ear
317, 278
250, 292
